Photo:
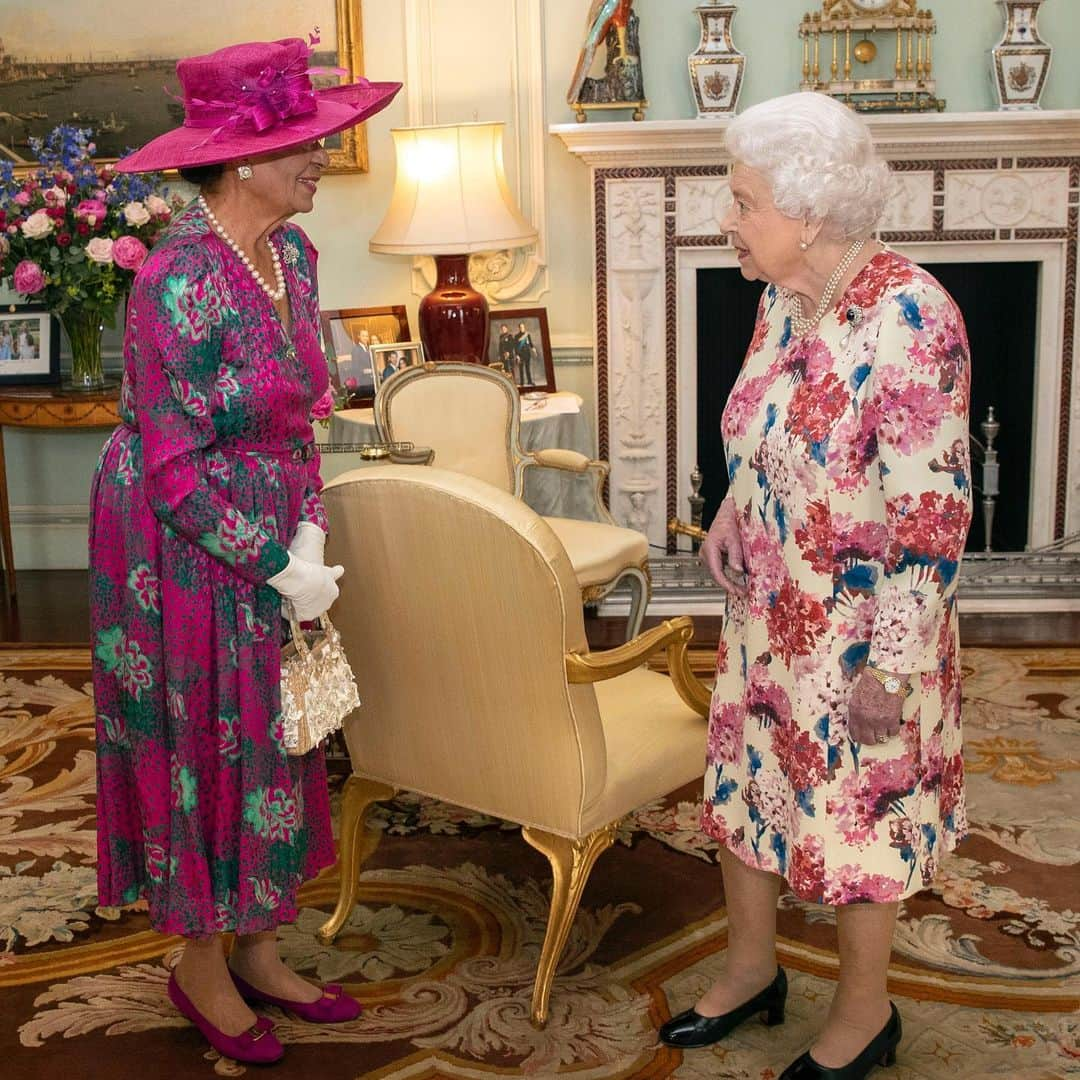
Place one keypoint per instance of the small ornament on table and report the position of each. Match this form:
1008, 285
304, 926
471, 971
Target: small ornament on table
622, 85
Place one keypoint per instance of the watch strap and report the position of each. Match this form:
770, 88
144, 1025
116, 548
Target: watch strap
906, 689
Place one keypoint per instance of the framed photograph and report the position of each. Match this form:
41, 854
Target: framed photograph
101, 64
388, 360
349, 335
519, 342
29, 345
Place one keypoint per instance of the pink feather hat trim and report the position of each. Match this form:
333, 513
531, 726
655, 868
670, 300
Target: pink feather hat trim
252, 99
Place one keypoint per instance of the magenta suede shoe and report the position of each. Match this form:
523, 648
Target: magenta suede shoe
334, 1007
256, 1046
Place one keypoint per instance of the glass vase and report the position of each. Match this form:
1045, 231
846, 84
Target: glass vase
83, 328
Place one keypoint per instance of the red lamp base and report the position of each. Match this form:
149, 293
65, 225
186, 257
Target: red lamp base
454, 316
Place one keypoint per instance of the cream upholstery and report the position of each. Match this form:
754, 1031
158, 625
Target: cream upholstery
596, 551
470, 690
471, 416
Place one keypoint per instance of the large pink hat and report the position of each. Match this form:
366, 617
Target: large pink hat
253, 99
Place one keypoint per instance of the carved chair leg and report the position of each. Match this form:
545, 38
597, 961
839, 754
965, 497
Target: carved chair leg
571, 861
640, 594
354, 846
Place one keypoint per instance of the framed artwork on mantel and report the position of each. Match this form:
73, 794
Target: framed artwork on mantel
103, 64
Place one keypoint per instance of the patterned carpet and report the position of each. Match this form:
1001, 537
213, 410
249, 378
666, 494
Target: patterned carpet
441, 947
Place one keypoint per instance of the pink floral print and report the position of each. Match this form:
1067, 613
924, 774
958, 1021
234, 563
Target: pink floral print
847, 455
196, 497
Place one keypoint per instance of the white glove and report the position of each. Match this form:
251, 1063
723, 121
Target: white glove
309, 543
311, 588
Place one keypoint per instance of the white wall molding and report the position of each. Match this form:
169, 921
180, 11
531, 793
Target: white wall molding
505, 277
897, 135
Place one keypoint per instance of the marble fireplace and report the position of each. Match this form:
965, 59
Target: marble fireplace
980, 187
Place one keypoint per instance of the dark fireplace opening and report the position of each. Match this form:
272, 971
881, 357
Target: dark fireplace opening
999, 302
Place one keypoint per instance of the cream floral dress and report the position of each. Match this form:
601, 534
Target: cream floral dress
848, 457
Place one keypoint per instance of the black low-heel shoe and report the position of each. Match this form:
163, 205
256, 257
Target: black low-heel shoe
690, 1029
880, 1051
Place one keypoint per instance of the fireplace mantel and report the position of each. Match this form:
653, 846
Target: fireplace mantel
897, 135
991, 187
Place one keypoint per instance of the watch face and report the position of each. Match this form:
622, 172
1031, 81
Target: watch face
892, 685
872, 7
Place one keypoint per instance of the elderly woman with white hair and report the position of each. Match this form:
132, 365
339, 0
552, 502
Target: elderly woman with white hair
834, 753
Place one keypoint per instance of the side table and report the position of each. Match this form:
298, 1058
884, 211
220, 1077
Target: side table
45, 407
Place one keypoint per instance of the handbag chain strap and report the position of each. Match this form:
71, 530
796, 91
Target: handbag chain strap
298, 634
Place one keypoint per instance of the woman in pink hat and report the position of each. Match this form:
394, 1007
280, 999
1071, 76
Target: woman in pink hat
206, 516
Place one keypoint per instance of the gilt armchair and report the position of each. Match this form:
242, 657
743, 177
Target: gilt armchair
471, 416
502, 708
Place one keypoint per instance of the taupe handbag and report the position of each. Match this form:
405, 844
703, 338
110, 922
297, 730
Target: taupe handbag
318, 689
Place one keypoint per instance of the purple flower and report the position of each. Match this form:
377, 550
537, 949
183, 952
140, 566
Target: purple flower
28, 278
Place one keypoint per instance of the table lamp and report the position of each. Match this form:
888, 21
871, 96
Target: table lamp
451, 199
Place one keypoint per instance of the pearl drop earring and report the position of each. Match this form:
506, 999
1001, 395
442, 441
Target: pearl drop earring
803, 245
245, 172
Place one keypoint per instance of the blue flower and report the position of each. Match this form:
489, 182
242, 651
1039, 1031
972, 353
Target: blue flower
723, 792
755, 759
909, 307
779, 846
785, 337
770, 419
858, 376
733, 465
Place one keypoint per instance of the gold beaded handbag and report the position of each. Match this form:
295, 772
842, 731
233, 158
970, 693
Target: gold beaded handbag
318, 689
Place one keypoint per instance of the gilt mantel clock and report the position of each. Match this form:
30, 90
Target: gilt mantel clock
876, 55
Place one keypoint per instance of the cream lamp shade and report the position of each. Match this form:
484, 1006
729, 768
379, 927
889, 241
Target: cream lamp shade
450, 194
451, 199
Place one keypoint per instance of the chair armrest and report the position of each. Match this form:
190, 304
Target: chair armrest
673, 636
567, 460
572, 461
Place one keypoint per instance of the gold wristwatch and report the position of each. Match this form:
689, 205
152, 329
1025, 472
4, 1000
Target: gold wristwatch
892, 683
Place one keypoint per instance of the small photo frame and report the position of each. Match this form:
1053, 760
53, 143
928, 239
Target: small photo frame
519, 343
29, 345
349, 336
389, 360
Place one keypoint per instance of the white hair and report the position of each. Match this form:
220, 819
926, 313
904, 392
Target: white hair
819, 159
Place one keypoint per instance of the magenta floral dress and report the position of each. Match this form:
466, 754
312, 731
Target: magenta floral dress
196, 497
848, 457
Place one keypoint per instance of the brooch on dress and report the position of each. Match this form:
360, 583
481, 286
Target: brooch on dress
290, 253
853, 315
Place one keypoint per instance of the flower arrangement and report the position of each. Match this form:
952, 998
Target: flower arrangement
72, 236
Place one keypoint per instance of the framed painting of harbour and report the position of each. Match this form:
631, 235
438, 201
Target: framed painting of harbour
110, 66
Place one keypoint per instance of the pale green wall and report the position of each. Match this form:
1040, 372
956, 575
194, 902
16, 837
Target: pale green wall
53, 470
765, 30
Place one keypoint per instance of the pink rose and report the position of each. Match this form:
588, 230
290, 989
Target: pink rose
128, 252
100, 250
22, 198
92, 209
28, 278
55, 195
324, 407
157, 206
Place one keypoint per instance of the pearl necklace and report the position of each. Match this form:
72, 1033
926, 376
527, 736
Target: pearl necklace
801, 325
275, 294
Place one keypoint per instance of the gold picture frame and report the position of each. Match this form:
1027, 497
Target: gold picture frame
105, 90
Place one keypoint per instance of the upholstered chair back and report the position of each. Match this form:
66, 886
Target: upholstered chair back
457, 606
469, 413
